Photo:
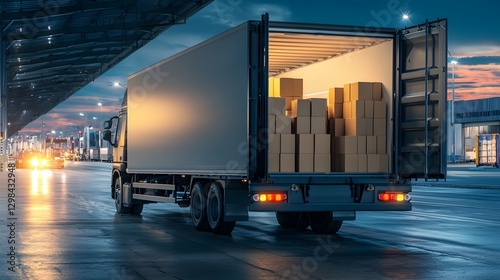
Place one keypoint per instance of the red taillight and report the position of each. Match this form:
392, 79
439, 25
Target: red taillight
394, 197
269, 197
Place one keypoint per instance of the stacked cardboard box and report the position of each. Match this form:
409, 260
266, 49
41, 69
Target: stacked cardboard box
281, 140
364, 146
288, 88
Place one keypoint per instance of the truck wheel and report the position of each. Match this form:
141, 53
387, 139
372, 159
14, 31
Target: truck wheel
215, 211
199, 208
120, 208
299, 220
136, 208
322, 222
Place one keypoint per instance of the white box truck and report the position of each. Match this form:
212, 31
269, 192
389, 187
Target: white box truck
204, 113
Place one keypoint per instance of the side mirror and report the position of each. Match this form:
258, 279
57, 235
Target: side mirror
108, 125
106, 135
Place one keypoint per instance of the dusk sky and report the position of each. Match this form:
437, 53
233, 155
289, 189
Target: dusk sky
473, 40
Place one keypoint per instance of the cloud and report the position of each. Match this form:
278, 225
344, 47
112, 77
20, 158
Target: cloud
276, 13
479, 60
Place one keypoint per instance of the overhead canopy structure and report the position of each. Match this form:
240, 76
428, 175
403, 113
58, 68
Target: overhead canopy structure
51, 49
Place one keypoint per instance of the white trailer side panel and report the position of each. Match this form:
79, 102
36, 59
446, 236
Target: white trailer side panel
189, 113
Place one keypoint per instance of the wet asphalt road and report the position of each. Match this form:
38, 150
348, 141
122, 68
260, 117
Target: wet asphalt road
65, 227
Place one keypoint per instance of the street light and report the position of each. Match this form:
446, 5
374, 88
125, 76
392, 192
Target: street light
407, 17
453, 148
100, 105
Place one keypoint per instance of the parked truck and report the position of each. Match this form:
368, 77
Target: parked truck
204, 113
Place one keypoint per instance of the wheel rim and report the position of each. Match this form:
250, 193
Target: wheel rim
196, 207
214, 209
118, 196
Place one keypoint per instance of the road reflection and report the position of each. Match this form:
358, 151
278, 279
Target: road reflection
39, 181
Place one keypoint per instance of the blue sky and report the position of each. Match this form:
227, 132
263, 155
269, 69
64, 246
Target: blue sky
473, 38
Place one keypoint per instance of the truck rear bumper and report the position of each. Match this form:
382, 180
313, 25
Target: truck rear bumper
313, 207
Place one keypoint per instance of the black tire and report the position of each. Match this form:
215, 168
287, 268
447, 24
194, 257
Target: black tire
215, 211
120, 208
299, 220
199, 208
136, 208
323, 223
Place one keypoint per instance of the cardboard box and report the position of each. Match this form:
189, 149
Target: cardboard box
379, 110
298, 88
304, 162
337, 127
336, 96
274, 143
381, 144
276, 106
318, 107
287, 162
384, 163
346, 110
346, 145
369, 109
270, 83
271, 124
334, 161
322, 143
304, 144
287, 144
371, 144
274, 162
322, 163
355, 127
377, 91
358, 109
301, 108
380, 127
301, 125
348, 163
362, 163
361, 91
283, 87
368, 127
283, 124
373, 163
335, 111
318, 125
347, 93
361, 144
288, 103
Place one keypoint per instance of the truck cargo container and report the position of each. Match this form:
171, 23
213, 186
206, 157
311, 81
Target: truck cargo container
206, 116
487, 150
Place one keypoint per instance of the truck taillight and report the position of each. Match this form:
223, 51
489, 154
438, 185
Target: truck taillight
269, 197
394, 197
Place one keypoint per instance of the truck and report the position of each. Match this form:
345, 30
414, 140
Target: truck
193, 129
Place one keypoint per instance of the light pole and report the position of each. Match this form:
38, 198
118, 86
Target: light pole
453, 150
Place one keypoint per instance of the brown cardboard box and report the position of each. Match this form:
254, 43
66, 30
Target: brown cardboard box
301, 125
274, 143
271, 105
361, 91
381, 144
318, 125
288, 103
283, 124
274, 162
304, 144
335, 111
380, 127
348, 163
373, 163
361, 144
369, 109
346, 110
346, 144
283, 87
322, 143
371, 144
270, 83
271, 126
377, 91
298, 88
347, 93
279, 106
334, 159
304, 163
287, 143
322, 163
336, 96
355, 127
379, 110
362, 163
358, 109
318, 107
287, 162
337, 127
301, 108
384, 163
369, 126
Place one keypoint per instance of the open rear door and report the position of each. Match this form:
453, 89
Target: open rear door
421, 93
